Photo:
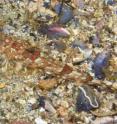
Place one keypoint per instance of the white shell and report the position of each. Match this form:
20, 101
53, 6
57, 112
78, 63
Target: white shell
40, 121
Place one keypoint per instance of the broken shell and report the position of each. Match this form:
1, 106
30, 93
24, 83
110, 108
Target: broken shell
78, 44
62, 111
47, 3
57, 45
100, 62
40, 121
3, 63
20, 122
66, 13
54, 31
49, 107
41, 101
95, 40
106, 120
47, 84
86, 99
82, 47
110, 2
79, 3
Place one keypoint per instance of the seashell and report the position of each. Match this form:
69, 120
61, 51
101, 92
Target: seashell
49, 107
100, 62
54, 31
83, 48
3, 63
41, 101
32, 104
66, 13
39, 120
7, 29
47, 84
110, 2
78, 44
57, 45
46, 3
20, 122
79, 3
86, 99
106, 120
95, 40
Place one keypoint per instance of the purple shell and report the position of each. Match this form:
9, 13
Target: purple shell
54, 31
66, 13
100, 62
86, 99
110, 2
